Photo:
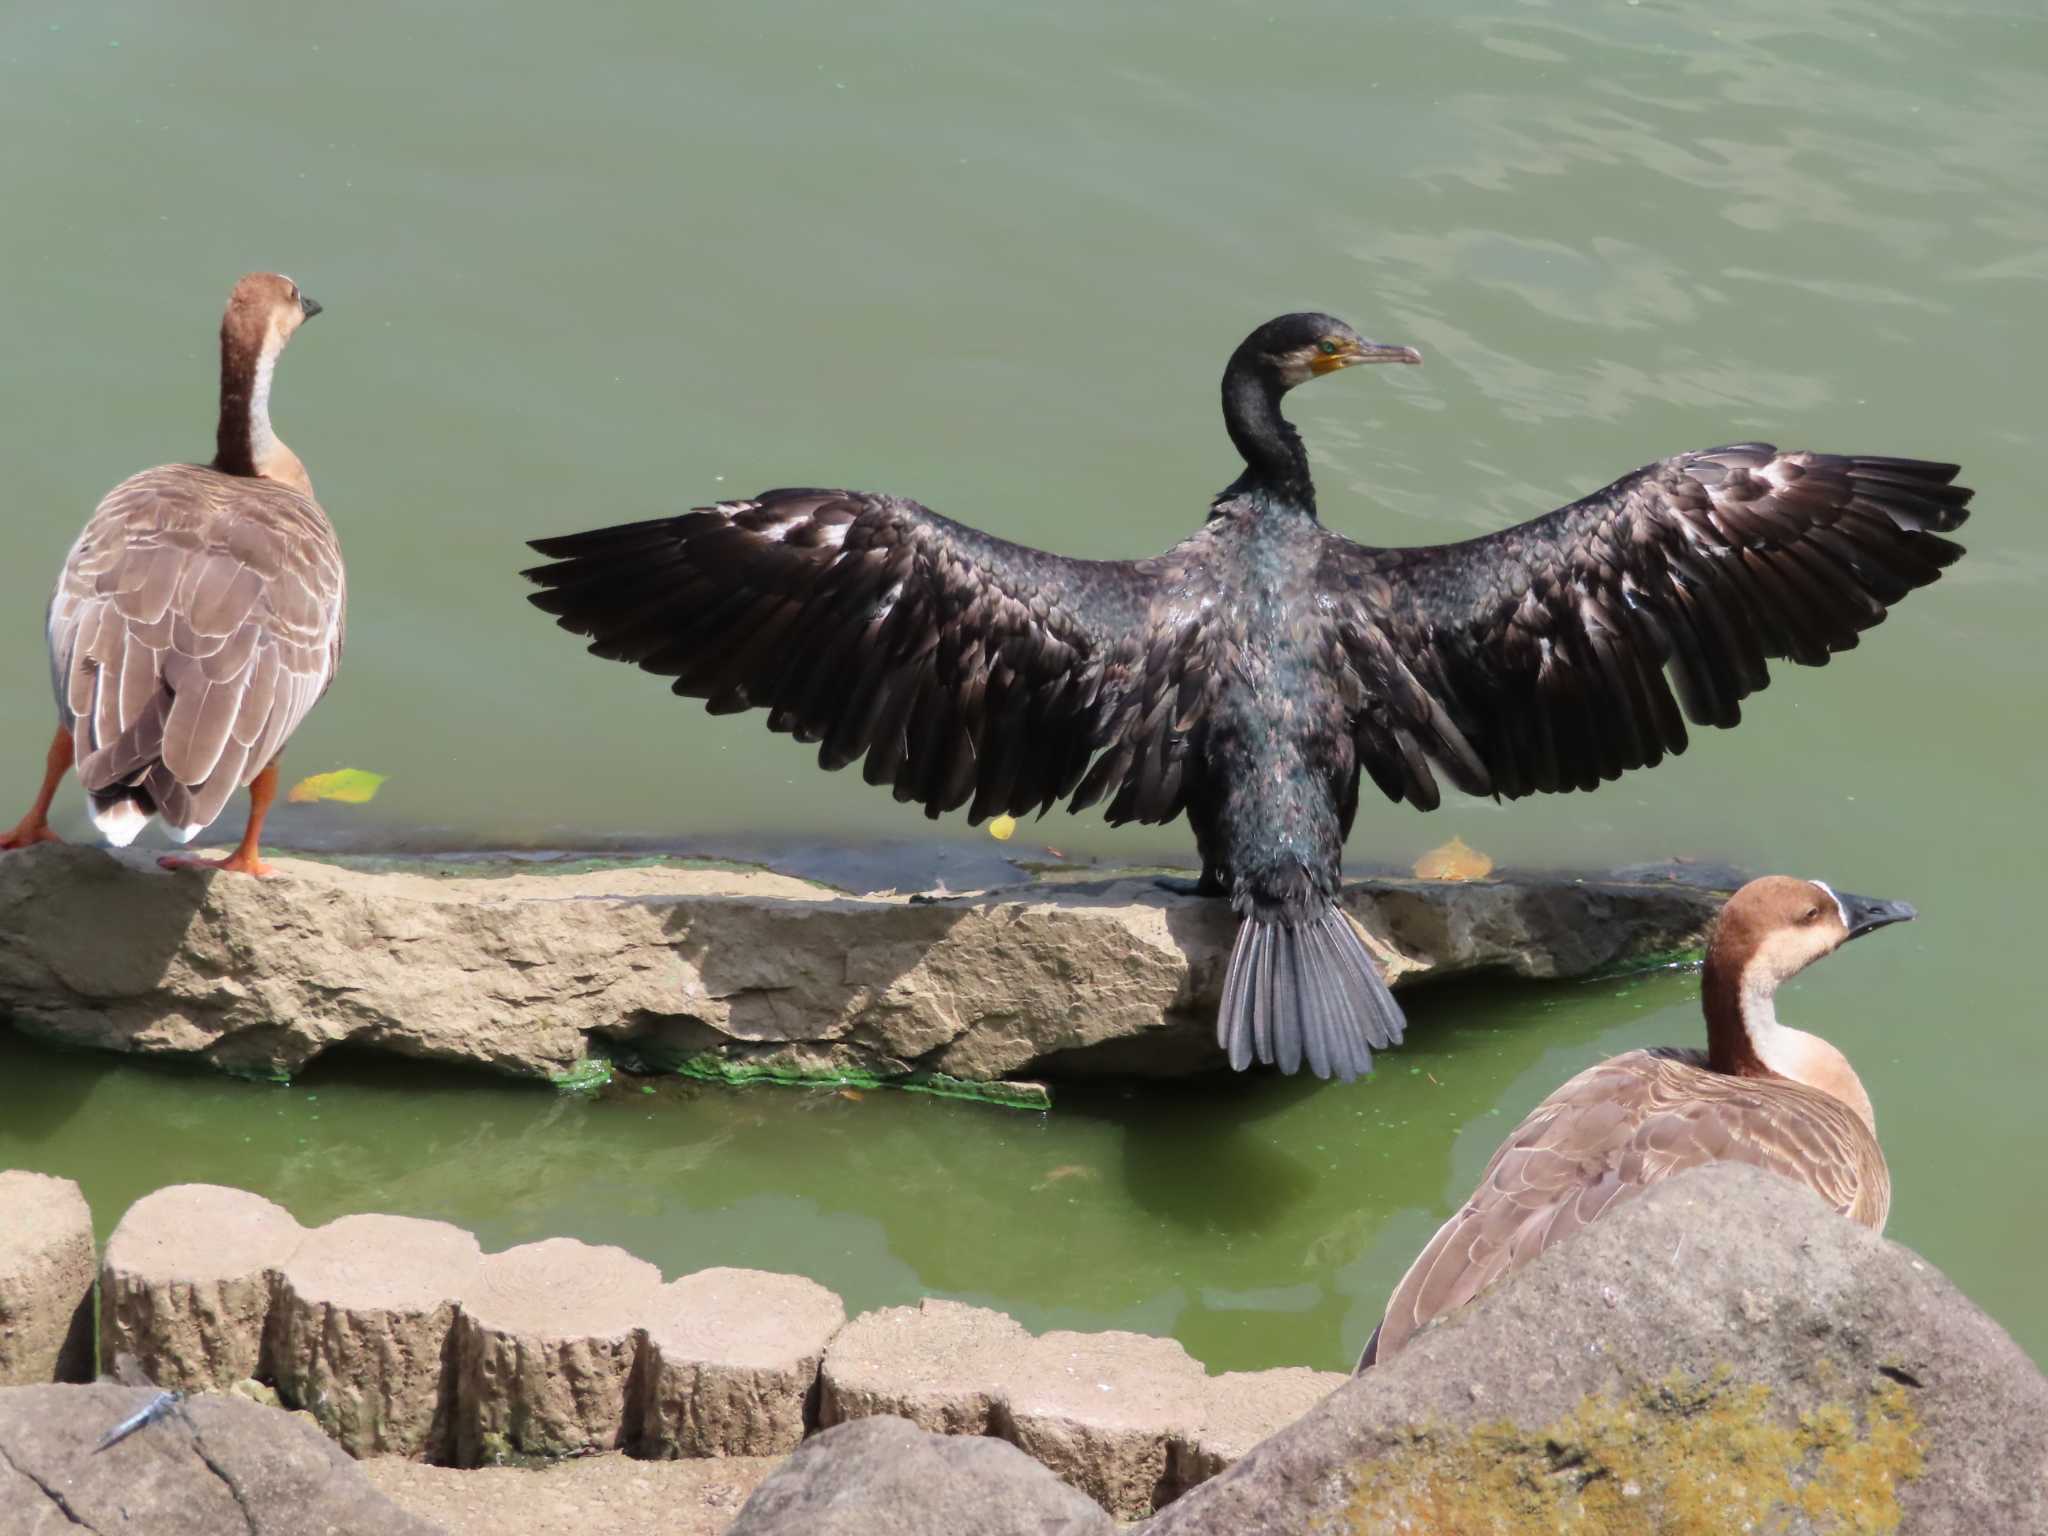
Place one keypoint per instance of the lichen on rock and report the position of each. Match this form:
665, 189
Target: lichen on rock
1685, 1458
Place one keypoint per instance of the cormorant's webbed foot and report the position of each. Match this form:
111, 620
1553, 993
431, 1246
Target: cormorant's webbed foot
1179, 886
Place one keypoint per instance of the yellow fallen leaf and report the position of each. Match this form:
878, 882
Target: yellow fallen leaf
1453, 861
1064, 1172
1003, 828
349, 786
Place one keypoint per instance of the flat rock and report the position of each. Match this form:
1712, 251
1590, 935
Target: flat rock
46, 1269
1104, 1411
247, 1468
732, 1360
364, 1320
887, 1475
939, 1364
186, 1283
1722, 1354
535, 973
546, 1344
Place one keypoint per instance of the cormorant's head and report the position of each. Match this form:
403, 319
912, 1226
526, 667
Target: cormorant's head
1296, 348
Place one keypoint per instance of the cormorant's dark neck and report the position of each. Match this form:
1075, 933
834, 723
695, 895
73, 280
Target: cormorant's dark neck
1274, 458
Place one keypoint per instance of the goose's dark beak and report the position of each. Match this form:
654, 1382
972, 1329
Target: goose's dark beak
1864, 914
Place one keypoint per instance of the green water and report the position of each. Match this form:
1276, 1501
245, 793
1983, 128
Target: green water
588, 264
1260, 1222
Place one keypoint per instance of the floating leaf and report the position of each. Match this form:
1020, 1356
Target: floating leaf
1003, 828
1453, 861
1064, 1172
349, 786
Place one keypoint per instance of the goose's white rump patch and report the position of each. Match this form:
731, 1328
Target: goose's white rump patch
120, 822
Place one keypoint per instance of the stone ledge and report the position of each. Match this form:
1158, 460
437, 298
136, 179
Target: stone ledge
401, 1336
727, 972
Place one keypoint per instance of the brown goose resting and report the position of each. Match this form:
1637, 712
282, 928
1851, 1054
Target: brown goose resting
198, 617
1761, 1093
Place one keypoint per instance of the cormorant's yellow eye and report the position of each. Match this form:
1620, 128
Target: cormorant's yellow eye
1328, 347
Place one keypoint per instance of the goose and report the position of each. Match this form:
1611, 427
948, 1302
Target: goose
1247, 675
198, 618
1761, 1093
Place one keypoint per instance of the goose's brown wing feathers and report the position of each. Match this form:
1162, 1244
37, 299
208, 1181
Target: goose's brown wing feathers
1609, 1134
196, 621
961, 666
1560, 653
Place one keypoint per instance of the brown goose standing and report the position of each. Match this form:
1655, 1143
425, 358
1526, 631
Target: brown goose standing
1247, 675
198, 617
1761, 1093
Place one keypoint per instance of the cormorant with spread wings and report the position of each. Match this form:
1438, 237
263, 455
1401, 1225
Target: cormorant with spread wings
1248, 674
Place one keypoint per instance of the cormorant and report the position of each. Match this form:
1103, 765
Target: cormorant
1248, 674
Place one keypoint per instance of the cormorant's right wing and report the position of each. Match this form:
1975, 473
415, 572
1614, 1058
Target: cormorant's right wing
960, 665
1544, 657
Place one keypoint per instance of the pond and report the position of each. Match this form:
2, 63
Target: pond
592, 264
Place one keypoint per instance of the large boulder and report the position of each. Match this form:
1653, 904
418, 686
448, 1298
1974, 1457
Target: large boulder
1722, 1354
537, 973
46, 1269
886, 1474
226, 1464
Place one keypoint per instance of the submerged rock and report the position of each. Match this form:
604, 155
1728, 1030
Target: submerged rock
720, 971
1722, 1354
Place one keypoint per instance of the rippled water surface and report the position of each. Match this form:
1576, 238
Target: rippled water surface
590, 264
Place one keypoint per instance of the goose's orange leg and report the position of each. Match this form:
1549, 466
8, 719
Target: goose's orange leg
244, 860
35, 826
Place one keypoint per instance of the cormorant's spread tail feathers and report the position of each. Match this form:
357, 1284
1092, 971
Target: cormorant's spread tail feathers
1305, 991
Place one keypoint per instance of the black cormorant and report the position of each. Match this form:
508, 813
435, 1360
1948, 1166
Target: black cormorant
1248, 674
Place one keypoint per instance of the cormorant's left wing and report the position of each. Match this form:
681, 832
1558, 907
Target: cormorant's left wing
1545, 657
960, 665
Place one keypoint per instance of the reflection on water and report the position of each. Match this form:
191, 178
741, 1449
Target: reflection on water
994, 257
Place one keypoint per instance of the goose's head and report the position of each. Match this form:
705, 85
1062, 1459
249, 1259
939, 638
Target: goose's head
264, 310
1775, 927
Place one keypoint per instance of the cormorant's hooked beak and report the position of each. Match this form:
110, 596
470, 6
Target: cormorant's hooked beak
1865, 914
1362, 351
309, 306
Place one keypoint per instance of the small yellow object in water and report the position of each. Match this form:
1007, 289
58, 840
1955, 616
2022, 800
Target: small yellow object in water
350, 786
1003, 828
1453, 861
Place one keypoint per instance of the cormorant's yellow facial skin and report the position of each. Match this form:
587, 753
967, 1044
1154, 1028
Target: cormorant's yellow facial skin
1332, 353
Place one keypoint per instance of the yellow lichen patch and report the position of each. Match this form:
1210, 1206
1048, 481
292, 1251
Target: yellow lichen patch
1454, 861
1684, 1459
